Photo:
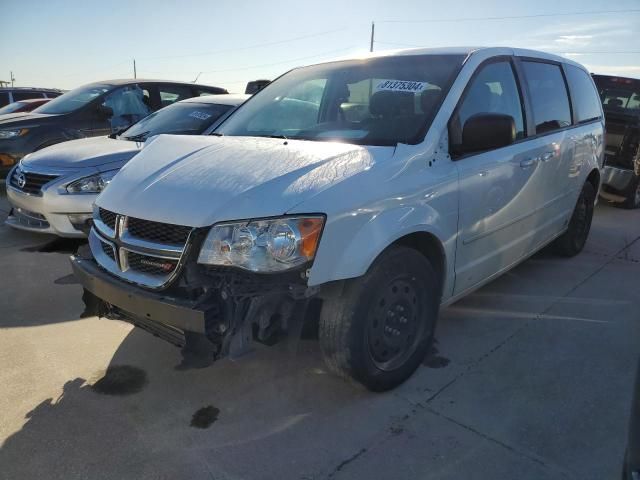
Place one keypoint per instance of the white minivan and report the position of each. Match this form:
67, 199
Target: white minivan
362, 194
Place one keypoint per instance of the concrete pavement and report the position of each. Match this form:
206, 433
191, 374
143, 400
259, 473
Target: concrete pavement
532, 379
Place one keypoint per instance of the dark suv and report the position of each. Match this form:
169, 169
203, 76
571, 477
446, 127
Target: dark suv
91, 110
621, 104
16, 94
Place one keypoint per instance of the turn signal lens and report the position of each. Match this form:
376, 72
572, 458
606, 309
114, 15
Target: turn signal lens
310, 229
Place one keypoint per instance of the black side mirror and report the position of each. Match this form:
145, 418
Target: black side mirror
104, 111
487, 131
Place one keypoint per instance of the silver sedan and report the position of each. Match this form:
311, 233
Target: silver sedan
53, 190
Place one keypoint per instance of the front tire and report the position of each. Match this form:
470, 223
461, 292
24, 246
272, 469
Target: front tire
573, 240
377, 329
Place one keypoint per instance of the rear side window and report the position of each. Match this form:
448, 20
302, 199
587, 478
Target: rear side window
17, 96
586, 102
549, 98
4, 99
493, 90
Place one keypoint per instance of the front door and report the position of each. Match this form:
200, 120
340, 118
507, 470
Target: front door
501, 189
129, 104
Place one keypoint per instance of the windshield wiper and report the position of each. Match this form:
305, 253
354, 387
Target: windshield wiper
217, 134
140, 137
276, 136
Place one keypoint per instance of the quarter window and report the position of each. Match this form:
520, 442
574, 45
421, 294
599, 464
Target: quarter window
551, 110
583, 94
493, 90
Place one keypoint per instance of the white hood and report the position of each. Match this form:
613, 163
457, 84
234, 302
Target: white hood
201, 180
86, 152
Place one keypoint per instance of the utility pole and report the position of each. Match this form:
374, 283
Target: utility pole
373, 30
134, 69
13, 79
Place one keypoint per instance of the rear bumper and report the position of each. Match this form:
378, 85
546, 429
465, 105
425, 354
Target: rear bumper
163, 316
618, 178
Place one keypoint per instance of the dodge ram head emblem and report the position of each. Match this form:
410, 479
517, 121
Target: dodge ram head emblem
22, 181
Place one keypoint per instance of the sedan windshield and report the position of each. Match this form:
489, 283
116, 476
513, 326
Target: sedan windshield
380, 101
73, 100
188, 118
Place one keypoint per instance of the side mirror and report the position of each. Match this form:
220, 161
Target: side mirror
104, 111
487, 131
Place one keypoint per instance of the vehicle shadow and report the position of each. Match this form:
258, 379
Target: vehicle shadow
143, 418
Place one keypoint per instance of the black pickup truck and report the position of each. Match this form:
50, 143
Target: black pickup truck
621, 104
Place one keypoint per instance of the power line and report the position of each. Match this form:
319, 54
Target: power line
264, 65
248, 47
511, 17
394, 44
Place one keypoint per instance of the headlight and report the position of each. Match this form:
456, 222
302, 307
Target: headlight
6, 134
92, 184
270, 245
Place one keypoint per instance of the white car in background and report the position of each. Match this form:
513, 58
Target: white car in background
53, 190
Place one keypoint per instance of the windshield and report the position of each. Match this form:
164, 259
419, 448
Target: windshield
380, 101
73, 100
12, 107
619, 94
189, 118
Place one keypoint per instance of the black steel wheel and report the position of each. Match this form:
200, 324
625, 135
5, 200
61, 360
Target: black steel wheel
573, 240
377, 329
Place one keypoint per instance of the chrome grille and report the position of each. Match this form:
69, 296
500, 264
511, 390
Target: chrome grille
158, 232
33, 182
108, 250
144, 252
109, 218
151, 265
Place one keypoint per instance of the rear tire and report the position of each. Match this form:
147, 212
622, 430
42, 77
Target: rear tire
573, 240
377, 329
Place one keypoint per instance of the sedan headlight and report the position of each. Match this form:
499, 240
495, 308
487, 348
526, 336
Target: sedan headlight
19, 132
92, 184
270, 245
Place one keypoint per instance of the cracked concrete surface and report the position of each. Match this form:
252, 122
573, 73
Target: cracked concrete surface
537, 386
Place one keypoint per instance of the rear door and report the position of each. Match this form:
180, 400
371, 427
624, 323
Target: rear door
500, 190
554, 145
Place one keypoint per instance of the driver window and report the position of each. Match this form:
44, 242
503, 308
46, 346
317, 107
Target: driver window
128, 105
493, 90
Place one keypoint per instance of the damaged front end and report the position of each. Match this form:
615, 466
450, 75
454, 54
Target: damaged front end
210, 312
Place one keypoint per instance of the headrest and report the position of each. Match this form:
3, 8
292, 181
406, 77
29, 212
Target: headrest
429, 99
389, 104
615, 102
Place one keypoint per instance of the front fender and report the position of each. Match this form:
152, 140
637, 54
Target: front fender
342, 255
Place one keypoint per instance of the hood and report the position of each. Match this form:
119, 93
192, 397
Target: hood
201, 180
86, 152
19, 119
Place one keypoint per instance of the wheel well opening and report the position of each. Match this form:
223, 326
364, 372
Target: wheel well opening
430, 247
594, 179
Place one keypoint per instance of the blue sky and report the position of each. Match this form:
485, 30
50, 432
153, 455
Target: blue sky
67, 43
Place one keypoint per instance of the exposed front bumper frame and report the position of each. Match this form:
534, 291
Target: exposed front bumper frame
172, 313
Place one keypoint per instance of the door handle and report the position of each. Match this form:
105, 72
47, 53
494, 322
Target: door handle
528, 162
547, 156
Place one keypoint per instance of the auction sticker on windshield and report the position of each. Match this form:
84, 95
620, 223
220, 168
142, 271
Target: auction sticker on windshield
199, 115
401, 86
